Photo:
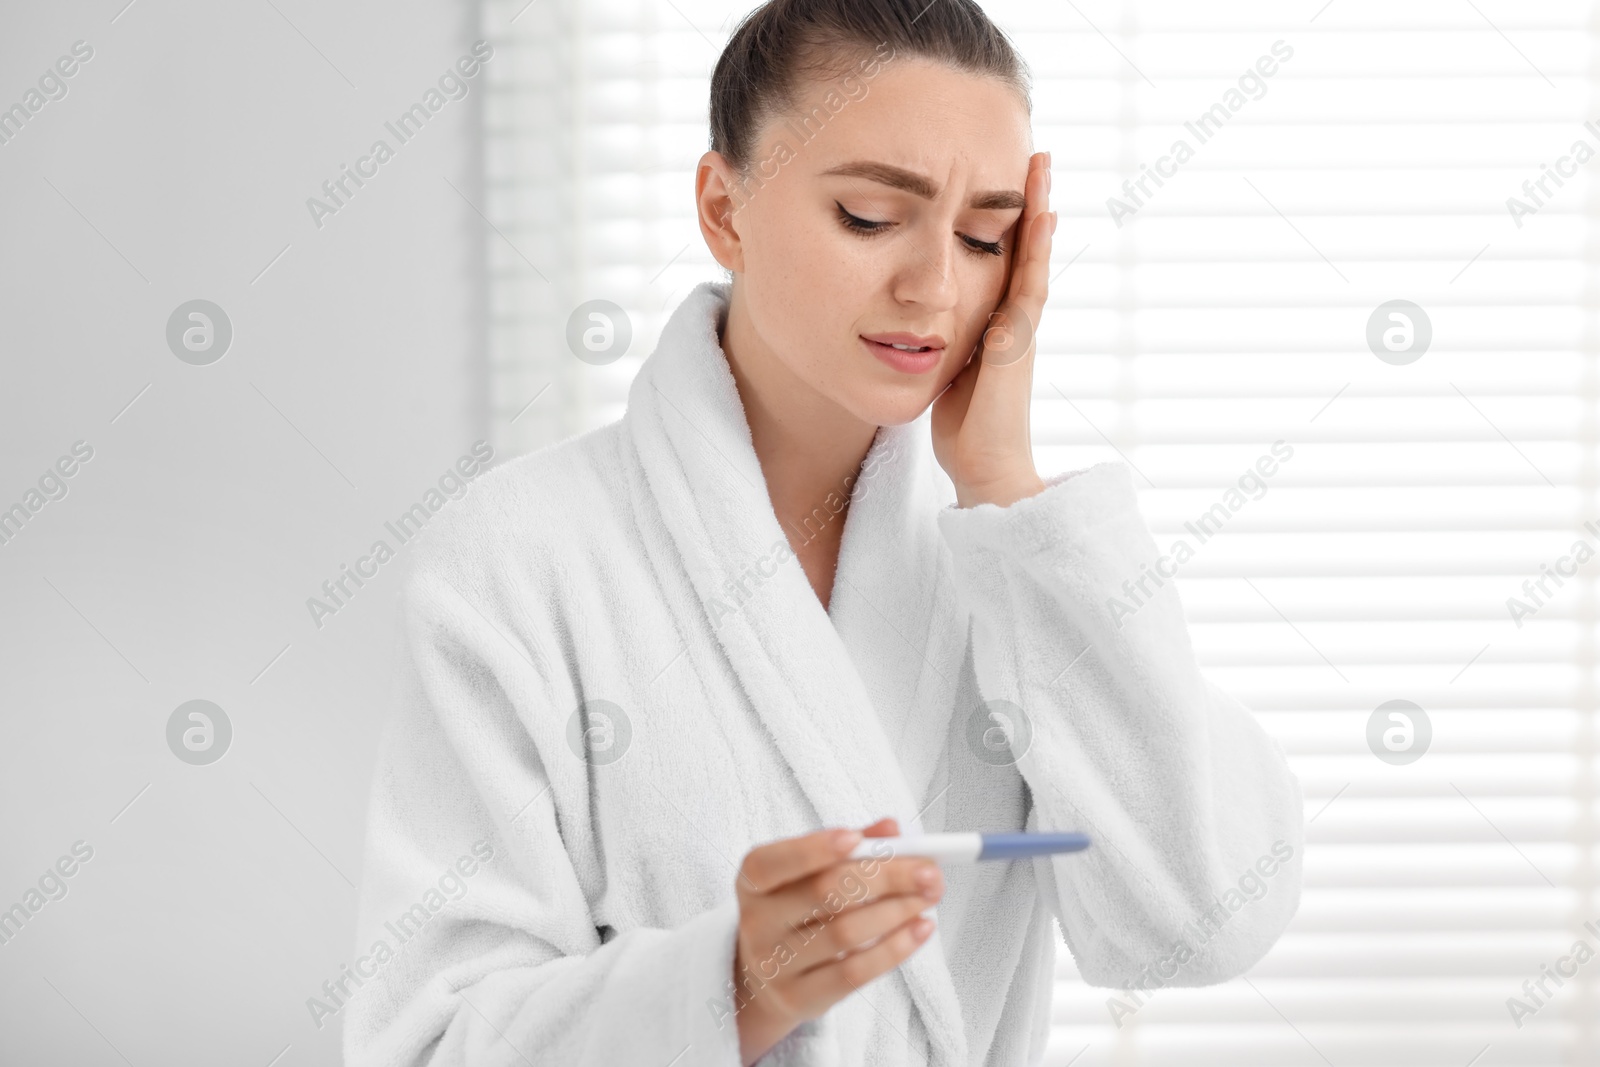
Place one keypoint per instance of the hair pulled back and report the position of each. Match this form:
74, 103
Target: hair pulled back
784, 42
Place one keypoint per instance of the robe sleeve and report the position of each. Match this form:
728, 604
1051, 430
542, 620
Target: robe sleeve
1195, 818
504, 966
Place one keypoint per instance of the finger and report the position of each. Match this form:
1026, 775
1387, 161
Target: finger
1031, 283
1035, 202
804, 914
1012, 326
817, 899
1030, 207
857, 882
767, 867
811, 926
885, 827
1035, 187
1030, 277
861, 929
830, 983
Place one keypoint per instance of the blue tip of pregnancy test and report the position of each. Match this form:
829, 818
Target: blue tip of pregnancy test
1018, 846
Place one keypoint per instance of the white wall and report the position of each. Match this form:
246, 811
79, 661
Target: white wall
179, 563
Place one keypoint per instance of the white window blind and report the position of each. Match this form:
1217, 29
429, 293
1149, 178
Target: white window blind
1230, 310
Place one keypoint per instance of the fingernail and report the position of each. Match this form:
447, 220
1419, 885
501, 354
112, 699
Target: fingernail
926, 876
1055, 217
845, 840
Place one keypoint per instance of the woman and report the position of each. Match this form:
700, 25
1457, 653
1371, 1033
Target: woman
661, 677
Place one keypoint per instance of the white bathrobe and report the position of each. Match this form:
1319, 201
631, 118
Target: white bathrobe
615, 680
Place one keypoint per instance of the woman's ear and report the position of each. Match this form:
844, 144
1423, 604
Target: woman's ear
717, 201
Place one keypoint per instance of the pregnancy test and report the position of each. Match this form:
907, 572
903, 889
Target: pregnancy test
969, 847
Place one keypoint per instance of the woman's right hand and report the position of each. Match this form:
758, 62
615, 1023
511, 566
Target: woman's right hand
795, 956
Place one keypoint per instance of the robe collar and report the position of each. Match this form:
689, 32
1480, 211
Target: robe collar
690, 433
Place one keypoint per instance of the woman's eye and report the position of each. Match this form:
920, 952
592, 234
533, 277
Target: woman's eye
860, 225
873, 226
987, 248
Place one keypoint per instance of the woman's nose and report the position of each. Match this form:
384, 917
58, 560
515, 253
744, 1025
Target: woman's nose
927, 272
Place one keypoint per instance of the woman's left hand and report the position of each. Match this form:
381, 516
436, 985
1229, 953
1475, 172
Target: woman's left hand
980, 423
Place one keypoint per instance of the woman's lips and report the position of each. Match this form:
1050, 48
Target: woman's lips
902, 360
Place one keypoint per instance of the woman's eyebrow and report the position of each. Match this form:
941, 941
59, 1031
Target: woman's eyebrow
918, 185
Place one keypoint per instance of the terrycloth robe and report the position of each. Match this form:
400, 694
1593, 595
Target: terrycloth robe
616, 680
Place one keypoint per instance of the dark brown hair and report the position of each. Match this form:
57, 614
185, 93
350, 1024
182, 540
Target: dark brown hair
784, 41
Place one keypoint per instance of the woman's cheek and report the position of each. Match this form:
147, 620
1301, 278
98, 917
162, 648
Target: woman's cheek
955, 361
977, 321
845, 270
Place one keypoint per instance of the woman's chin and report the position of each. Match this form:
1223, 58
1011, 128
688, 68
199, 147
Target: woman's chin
894, 407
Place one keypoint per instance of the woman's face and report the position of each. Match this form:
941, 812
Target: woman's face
892, 223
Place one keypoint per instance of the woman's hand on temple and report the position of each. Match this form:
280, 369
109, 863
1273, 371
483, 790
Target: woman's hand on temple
980, 423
